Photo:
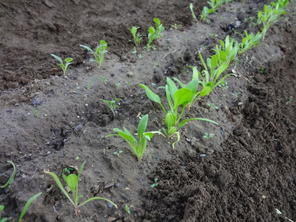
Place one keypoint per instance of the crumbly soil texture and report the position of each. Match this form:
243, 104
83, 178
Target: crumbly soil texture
244, 169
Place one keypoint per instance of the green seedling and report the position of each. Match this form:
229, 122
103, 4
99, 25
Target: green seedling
208, 135
213, 6
71, 179
271, 14
249, 41
178, 100
127, 209
137, 38
137, 144
63, 64
11, 178
155, 183
192, 11
212, 105
117, 153
25, 209
112, 104
99, 52
154, 33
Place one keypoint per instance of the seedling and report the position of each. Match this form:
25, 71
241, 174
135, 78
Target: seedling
178, 100
137, 38
208, 135
24, 209
112, 104
63, 64
212, 105
138, 145
250, 41
214, 5
12, 176
117, 153
191, 7
71, 179
155, 183
154, 33
127, 209
270, 14
99, 52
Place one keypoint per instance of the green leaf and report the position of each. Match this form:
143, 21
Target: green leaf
27, 206
71, 181
126, 135
151, 30
60, 185
97, 198
59, 59
182, 97
150, 94
171, 86
150, 135
2, 208
157, 21
87, 48
69, 60
12, 176
142, 125
184, 122
170, 119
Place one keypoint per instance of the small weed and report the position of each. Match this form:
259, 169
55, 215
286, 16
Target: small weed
208, 135
127, 209
117, 153
12, 176
63, 64
138, 145
155, 183
112, 104
176, 26
99, 52
212, 105
72, 181
191, 7
290, 100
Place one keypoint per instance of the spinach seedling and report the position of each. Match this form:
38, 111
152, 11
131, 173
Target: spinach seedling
99, 52
178, 99
24, 211
137, 38
154, 33
63, 64
249, 41
72, 181
138, 145
11, 178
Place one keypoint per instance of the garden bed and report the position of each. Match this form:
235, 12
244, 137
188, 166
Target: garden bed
243, 172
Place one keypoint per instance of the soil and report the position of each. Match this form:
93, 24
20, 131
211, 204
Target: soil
245, 172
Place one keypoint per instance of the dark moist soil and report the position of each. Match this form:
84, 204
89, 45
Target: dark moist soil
256, 172
243, 173
31, 30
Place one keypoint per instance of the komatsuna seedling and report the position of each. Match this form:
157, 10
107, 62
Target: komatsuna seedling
63, 64
112, 104
249, 41
154, 33
178, 100
71, 180
99, 52
24, 211
137, 38
137, 144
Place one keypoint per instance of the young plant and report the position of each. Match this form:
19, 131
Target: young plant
249, 41
112, 104
138, 145
137, 38
178, 100
71, 180
24, 209
192, 11
99, 52
11, 178
270, 14
154, 33
63, 64
214, 5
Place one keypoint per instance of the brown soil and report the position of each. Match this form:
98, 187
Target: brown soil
48, 122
